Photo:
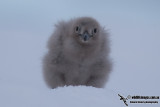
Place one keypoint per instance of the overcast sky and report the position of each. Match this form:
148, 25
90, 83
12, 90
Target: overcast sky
134, 27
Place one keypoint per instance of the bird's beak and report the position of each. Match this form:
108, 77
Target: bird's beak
85, 36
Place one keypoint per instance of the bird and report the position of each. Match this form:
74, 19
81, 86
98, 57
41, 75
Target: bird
78, 54
124, 99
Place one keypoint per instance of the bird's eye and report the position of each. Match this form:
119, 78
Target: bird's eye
77, 29
94, 30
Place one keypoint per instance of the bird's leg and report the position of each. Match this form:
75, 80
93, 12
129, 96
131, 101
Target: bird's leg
56, 80
96, 81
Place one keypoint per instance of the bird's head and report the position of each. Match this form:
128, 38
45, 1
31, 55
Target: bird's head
86, 30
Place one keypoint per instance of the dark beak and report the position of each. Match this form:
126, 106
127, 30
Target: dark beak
85, 36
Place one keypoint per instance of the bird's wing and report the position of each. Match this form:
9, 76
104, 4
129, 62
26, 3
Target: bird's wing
119, 95
126, 103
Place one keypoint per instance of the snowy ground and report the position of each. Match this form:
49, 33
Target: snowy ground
20, 96
25, 27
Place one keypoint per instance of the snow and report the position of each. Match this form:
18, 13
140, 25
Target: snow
78, 96
25, 27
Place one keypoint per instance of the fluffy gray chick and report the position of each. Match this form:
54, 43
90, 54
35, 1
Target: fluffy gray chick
78, 54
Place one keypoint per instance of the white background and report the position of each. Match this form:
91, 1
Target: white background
134, 27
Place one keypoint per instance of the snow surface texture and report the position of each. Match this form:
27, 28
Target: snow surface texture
80, 96
26, 25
